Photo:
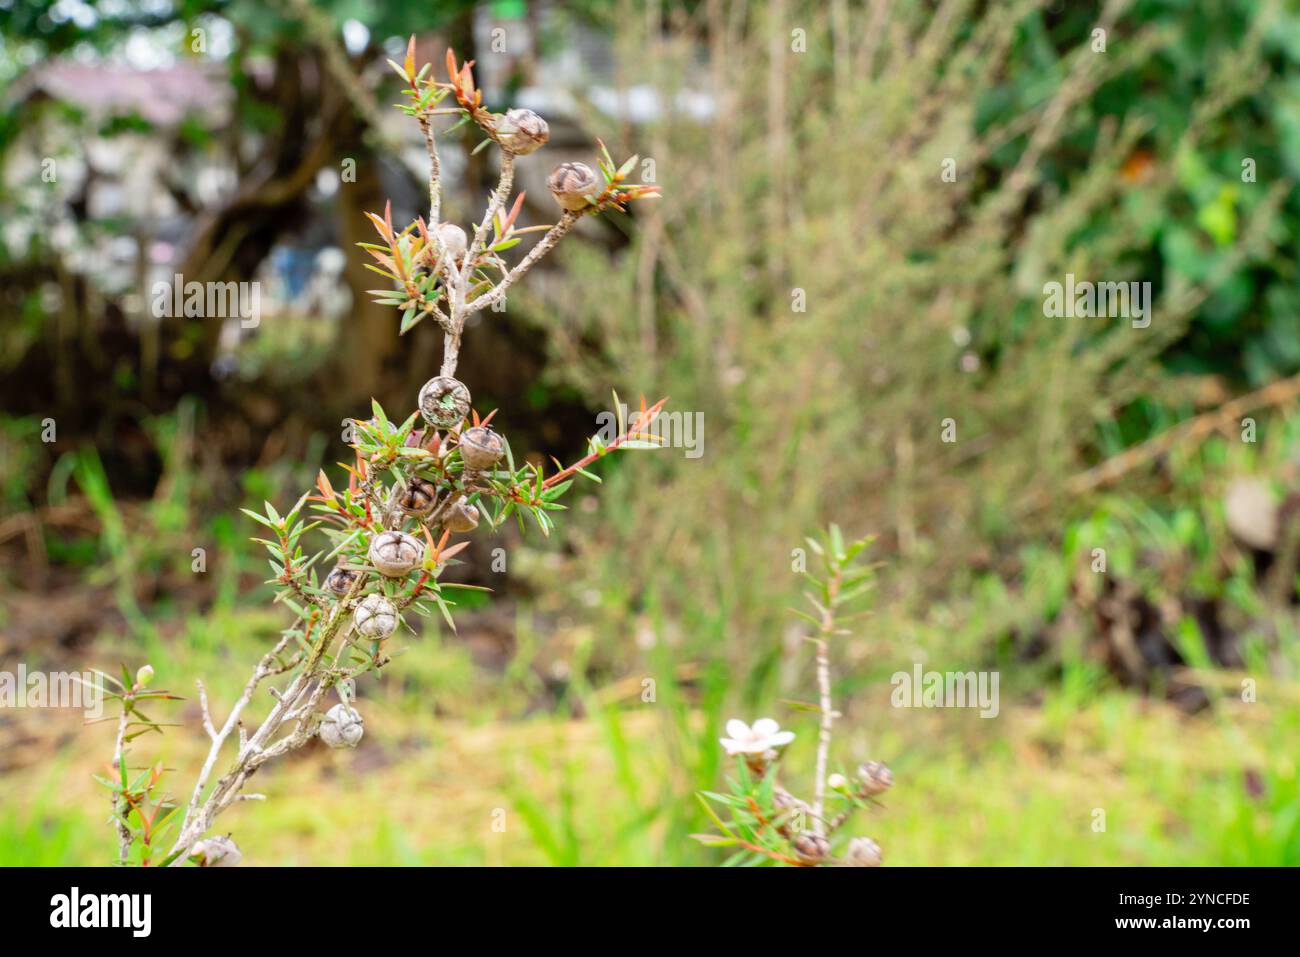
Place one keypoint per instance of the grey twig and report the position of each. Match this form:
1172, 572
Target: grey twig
824, 691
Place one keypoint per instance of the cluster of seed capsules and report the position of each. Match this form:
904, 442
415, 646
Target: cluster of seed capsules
393, 553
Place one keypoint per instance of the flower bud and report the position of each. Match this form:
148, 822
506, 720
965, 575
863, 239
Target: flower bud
375, 617
461, 517
444, 402
452, 239
521, 131
837, 782
480, 448
863, 852
341, 727
574, 185
875, 778
395, 553
144, 676
811, 849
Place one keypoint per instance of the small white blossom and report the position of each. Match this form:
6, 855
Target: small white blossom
764, 735
837, 782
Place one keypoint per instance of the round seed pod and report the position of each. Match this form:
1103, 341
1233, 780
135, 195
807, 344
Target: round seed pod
418, 496
217, 852
795, 810
444, 402
453, 239
341, 727
395, 553
574, 185
480, 447
340, 580
811, 849
461, 517
863, 852
375, 617
522, 132
875, 778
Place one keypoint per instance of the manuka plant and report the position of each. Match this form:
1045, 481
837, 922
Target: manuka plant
758, 817
353, 563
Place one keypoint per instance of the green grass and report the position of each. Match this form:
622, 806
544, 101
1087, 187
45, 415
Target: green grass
441, 771
465, 766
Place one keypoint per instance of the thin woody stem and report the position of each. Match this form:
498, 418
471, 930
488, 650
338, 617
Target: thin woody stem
435, 172
253, 753
824, 691
642, 420
457, 282
774, 855
544, 246
219, 738
456, 325
123, 832
498, 200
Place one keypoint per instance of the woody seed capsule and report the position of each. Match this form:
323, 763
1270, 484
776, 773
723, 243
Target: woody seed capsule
217, 852
574, 185
395, 553
480, 448
342, 727
375, 617
444, 402
875, 778
461, 517
340, 580
794, 810
522, 131
452, 238
811, 848
418, 497
863, 852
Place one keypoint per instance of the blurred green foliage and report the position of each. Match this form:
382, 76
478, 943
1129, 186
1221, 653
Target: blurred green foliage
923, 303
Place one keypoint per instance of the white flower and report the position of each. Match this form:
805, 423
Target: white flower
764, 735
